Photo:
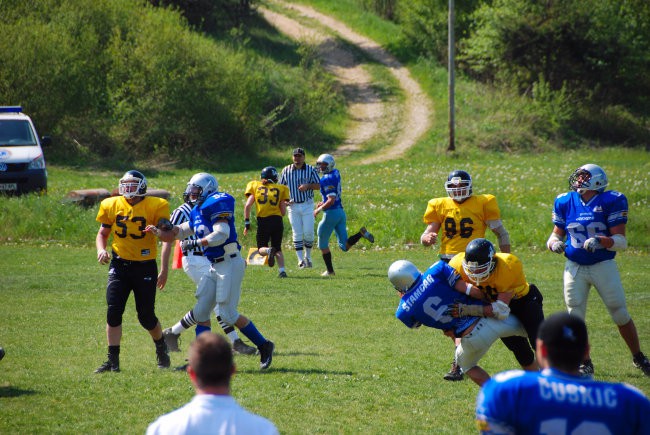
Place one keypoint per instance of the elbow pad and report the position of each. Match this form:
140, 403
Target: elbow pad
502, 234
500, 310
220, 233
184, 231
620, 242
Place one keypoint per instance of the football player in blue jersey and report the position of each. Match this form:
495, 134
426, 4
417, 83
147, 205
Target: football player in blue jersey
429, 298
559, 400
334, 217
593, 220
212, 221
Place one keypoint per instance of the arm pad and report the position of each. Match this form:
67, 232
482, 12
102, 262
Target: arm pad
500, 310
184, 231
620, 242
502, 234
220, 233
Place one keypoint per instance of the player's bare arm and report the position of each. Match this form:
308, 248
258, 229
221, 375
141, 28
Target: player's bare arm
324, 205
101, 241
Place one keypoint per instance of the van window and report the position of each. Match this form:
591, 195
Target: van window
16, 132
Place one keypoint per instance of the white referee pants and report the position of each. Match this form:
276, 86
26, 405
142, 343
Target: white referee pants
301, 218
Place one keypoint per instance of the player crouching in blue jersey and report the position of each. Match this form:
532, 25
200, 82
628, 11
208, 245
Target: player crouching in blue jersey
430, 299
559, 399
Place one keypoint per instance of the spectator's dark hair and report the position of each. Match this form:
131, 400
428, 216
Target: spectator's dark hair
210, 357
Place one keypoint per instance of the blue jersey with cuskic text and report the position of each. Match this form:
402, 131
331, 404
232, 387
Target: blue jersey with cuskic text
582, 221
218, 206
427, 302
553, 402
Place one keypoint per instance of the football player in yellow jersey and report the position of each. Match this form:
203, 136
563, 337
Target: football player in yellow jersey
132, 263
462, 217
500, 276
270, 199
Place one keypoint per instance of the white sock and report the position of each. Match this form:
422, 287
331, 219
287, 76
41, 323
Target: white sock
233, 336
300, 255
308, 253
178, 328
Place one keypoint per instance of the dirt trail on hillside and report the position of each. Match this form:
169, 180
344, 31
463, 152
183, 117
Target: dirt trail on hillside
370, 115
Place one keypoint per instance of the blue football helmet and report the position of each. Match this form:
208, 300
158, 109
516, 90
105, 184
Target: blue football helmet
588, 177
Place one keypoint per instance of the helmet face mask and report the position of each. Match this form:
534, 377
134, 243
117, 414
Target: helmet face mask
588, 177
459, 185
133, 183
325, 163
479, 261
200, 186
403, 274
269, 173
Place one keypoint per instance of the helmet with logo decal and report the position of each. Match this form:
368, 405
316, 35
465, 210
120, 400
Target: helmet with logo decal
459, 185
588, 177
479, 261
133, 183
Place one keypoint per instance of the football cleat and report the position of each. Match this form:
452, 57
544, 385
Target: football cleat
171, 340
238, 346
182, 368
308, 264
328, 273
109, 366
586, 368
271, 255
302, 264
366, 235
641, 362
162, 359
454, 374
266, 354
282, 274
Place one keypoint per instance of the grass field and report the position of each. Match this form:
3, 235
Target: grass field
344, 364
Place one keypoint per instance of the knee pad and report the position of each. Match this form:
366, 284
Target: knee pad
620, 315
114, 316
309, 244
228, 314
148, 320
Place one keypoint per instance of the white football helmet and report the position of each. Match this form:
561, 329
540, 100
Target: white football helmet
325, 163
459, 185
479, 261
133, 183
201, 186
588, 177
403, 274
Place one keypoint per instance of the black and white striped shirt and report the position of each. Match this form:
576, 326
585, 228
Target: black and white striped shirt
182, 214
294, 177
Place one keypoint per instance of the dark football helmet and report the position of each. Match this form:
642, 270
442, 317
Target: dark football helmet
325, 163
200, 187
479, 261
403, 274
588, 177
270, 173
459, 185
133, 183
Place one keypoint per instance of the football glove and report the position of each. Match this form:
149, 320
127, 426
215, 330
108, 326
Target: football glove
462, 310
558, 247
592, 244
189, 244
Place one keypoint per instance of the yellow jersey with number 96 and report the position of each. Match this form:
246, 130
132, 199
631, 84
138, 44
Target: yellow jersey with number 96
128, 222
267, 197
461, 223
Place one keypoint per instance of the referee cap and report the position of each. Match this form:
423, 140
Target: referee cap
564, 332
298, 151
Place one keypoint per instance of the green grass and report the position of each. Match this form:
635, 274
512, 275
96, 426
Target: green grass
343, 363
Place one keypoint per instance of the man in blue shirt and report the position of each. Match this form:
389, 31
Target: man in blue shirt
430, 299
559, 400
593, 220
334, 218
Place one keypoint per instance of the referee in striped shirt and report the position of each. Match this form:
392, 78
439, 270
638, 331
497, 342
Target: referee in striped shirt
302, 179
195, 266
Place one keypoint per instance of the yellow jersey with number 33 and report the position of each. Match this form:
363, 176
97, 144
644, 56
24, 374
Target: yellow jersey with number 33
128, 222
461, 223
267, 197
507, 276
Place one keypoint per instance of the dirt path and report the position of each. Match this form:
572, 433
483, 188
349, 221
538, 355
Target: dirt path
370, 115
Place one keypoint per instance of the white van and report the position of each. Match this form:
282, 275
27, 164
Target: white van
22, 164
